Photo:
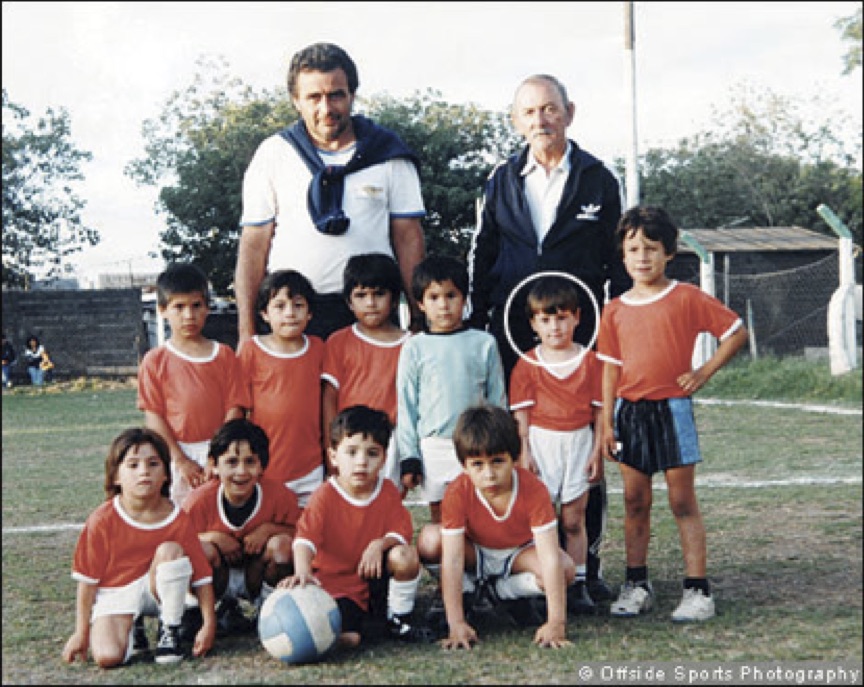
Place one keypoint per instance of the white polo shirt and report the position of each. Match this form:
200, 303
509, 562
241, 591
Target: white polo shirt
275, 188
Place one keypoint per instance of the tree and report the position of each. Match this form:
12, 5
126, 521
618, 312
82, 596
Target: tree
42, 225
202, 143
199, 149
458, 145
765, 163
850, 31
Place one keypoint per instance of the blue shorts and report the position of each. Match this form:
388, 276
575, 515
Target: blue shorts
656, 435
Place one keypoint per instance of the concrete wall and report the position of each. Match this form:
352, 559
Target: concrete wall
86, 333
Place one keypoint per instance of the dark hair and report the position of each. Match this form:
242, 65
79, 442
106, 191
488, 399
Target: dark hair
33, 337
296, 283
125, 441
372, 270
322, 57
439, 268
236, 430
363, 420
181, 278
652, 221
551, 294
485, 430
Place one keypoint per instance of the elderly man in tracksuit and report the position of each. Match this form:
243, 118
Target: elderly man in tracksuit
550, 207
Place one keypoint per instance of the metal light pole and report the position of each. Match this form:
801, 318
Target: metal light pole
632, 179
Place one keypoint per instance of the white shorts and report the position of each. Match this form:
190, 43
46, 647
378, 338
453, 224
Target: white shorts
440, 467
197, 451
494, 563
304, 486
133, 599
562, 458
391, 465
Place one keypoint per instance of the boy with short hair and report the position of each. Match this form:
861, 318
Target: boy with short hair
360, 360
245, 522
282, 371
555, 396
138, 555
646, 343
356, 532
191, 385
497, 520
442, 371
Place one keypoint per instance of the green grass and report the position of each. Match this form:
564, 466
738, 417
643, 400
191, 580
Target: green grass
784, 379
780, 490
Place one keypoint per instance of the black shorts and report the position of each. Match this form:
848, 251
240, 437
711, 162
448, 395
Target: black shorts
656, 435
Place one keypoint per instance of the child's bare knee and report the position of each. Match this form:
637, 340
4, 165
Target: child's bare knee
108, 657
279, 549
403, 561
429, 543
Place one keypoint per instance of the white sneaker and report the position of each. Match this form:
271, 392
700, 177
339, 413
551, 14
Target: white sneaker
633, 600
694, 607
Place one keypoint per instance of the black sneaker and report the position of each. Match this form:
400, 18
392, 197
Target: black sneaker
190, 623
230, 619
579, 601
400, 627
599, 589
169, 649
529, 611
140, 643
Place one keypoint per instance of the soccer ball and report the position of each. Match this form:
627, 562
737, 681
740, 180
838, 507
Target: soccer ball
299, 625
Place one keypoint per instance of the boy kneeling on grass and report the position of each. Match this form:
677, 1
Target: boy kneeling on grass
245, 522
497, 519
138, 554
354, 537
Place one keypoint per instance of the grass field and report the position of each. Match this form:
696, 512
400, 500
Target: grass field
780, 491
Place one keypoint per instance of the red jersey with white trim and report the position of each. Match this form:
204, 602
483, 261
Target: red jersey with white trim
338, 528
276, 504
561, 404
113, 550
653, 340
363, 370
192, 395
286, 403
465, 511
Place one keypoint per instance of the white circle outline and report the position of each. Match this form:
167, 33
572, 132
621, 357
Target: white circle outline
578, 357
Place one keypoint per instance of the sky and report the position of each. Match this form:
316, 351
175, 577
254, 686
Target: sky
113, 65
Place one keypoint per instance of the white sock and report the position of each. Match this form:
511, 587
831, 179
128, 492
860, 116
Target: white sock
517, 586
172, 581
401, 595
581, 573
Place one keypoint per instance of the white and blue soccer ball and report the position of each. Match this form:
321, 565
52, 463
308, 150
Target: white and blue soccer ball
299, 625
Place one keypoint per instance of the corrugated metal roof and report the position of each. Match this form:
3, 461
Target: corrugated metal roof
759, 239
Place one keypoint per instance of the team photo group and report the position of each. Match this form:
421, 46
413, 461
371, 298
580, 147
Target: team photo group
370, 375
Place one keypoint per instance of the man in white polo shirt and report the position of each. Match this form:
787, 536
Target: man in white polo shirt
328, 187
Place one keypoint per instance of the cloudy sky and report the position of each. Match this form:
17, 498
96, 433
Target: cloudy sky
114, 64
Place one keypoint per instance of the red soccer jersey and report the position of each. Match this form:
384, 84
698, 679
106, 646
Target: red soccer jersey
363, 370
561, 404
653, 340
192, 395
338, 529
113, 550
286, 404
276, 504
464, 511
